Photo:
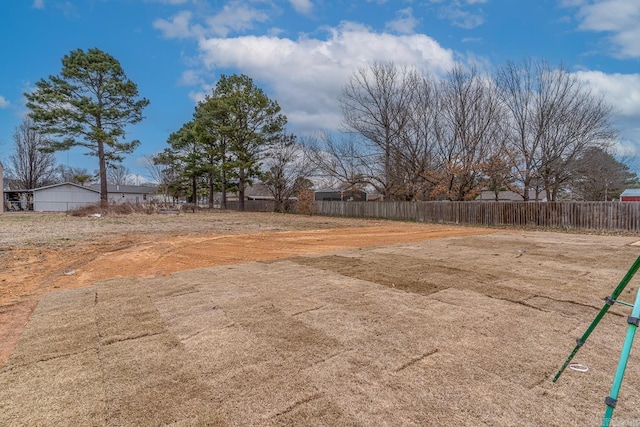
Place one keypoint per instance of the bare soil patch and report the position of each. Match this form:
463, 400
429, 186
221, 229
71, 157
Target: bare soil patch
41, 253
263, 319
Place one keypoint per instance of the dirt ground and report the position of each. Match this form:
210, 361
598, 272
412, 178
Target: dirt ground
267, 319
42, 253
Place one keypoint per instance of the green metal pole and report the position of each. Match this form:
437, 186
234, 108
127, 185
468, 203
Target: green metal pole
612, 399
609, 302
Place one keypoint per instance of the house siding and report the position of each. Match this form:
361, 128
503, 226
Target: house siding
62, 198
132, 194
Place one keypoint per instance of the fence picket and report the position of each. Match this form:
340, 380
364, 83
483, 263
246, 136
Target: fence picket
603, 216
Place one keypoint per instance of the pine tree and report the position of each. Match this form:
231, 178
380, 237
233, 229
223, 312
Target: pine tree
88, 105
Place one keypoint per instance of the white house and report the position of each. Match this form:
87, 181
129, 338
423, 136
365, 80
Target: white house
63, 197
134, 194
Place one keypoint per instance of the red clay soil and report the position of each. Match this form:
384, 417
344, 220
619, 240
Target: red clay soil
30, 273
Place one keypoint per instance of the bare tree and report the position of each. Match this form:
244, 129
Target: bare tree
31, 167
469, 133
159, 174
415, 157
518, 91
375, 105
287, 171
552, 118
119, 175
76, 175
576, 121
339, 160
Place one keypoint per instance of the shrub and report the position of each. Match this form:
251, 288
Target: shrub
113, 209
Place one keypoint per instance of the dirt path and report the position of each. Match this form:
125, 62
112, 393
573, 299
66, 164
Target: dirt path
33, 271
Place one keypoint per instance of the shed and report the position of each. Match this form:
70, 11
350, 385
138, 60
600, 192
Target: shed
63, 197
340, 195
630, 195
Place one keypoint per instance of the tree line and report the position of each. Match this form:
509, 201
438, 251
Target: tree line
528, 126
237, 137
405, 135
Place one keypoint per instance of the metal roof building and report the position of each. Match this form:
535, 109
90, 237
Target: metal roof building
630, 195
63, 197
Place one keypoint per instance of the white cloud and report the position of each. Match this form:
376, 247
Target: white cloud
619, 18
190, 78
306, 75
622, 91
461, 17
38, 4
178, 27
302, 6
461, 13
3, 102
405, 22
235, 16
609, 15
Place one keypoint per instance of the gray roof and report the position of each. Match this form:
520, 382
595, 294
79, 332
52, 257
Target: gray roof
131, 189
333, 190
65, 183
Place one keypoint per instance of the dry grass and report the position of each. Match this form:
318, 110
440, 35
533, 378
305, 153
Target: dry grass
53, 230
454, 331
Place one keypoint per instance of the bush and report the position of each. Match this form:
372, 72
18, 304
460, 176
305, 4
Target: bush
306, 204
113, 209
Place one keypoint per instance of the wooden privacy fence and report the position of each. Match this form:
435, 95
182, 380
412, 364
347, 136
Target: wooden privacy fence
253, 205
613, 216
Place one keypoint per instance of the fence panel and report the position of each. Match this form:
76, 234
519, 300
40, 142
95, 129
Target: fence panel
253, 205
602, 216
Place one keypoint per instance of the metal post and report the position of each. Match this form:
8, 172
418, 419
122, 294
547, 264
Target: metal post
609, 302
612, 399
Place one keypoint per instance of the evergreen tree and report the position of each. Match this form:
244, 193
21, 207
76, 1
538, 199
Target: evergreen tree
599, 176
88, 105
249, 122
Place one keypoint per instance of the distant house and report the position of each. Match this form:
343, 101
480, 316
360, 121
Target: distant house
630, 195
340, 195
511, 196
69, 196
63, 197
258, 191
134, 194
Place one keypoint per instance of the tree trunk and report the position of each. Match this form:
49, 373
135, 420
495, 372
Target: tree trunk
241, 190
194, 190
104, 195
223, 202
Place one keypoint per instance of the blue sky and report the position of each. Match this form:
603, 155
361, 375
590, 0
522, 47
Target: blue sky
303, 51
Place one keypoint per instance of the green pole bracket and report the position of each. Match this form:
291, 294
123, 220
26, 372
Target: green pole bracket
608, 303
612, 399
